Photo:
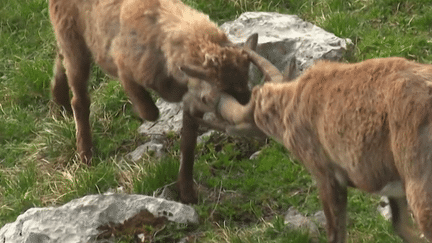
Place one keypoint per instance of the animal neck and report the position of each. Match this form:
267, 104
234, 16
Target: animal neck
272, 107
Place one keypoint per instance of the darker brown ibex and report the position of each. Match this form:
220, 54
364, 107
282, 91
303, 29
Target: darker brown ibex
147, 44
366, 125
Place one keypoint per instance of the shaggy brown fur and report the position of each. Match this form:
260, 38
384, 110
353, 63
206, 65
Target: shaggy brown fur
366, 125
144, 43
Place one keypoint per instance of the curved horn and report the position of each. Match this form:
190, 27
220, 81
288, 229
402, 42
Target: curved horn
234, 112
270, 72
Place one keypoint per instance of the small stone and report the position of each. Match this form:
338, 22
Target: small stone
205, 136
138, 153
320, 219
384, 208
295, 220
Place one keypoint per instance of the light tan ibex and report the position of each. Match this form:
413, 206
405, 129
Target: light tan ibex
366, 125
146, 44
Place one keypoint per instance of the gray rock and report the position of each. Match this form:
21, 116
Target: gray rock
138, 153
282, 37
205, 136
295, 220
78, 220
384, 208
320, 219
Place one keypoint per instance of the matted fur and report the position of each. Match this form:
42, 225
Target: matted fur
366, 125
144, 43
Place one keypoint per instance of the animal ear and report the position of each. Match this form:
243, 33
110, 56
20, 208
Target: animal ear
252, 42
197, 72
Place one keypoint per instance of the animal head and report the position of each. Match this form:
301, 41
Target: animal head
227, 69
234, 117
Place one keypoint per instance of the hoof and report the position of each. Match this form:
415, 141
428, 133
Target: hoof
189, 198
188, 194
86, 158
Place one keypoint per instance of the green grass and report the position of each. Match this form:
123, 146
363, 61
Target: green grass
241, 200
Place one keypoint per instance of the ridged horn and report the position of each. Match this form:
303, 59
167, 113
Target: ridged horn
271, 73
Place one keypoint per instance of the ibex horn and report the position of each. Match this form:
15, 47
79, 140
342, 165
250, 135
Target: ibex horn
271, 73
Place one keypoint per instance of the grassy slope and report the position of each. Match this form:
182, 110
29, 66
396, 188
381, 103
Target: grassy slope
240, 200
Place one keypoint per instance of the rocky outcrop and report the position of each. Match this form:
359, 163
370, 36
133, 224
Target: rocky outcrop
282, 37
94, 217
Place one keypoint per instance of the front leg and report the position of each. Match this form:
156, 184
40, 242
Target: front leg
189, 135
141, 99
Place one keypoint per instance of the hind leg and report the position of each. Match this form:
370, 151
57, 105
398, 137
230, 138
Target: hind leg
59, 85
78, 72
77, 64
419, 195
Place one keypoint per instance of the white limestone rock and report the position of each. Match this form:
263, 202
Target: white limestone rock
282, 36
78, 220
